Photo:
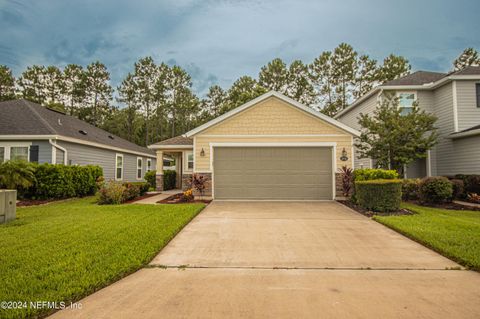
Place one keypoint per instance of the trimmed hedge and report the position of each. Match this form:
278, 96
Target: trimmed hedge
381, 195
55, 181
368, 174
169, 180
435, 189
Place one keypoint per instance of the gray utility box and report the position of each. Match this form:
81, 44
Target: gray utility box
8, 205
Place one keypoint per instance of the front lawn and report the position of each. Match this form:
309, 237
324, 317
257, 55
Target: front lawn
65, 251
453, 233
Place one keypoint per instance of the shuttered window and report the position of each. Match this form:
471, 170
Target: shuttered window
139, 167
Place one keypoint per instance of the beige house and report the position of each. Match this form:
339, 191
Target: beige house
269, 148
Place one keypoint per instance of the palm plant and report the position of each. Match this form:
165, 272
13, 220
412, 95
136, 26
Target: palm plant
17, 175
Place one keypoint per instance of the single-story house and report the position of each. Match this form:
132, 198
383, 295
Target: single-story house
34, 133
271, 148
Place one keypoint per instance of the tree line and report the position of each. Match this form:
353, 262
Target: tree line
156, 101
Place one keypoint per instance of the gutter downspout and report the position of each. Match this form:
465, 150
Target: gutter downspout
50, 141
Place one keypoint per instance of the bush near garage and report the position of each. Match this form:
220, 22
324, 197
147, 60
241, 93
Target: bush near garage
458, 188
436, 189
381, 195
410, 188
367, 174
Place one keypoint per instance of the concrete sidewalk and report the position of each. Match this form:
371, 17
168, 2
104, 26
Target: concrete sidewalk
161, 196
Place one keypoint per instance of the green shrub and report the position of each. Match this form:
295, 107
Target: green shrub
458, 189
382, 195
472, 184
169, 179
19, 175
368, 174
143, 187
112, 193
410, 188
151, 178
131, 191
435, 189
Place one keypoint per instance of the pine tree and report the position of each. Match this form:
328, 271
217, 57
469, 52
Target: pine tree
213, 103
7, 84
274, 76
73, 88
300, 86
242, 91
321, 72
32, 84
468, 57
344, 68
98, 94
365, 77
393, 67
127, 96
53, 86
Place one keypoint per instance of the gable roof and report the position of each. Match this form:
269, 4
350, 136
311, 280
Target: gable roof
22, 117
416, 78
174, 142
420, 80
264, 97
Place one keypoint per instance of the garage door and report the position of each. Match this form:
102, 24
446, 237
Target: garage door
288, 173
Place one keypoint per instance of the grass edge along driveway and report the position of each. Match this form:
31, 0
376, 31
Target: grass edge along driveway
452, 233
67, 250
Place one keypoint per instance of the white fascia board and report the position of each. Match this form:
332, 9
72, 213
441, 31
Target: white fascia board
464, 134
281, 97
161, 147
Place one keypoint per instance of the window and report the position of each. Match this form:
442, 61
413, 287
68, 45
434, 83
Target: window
2, 154
18, 153
406, 101
189, 161
477, 87
119, 167
139, 167
149, 165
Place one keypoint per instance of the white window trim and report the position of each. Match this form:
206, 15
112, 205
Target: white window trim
185, 161
149, 165
9, 145
116, 167
415, 97
141, 168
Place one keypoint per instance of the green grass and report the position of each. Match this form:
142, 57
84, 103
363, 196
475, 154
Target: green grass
452, 233
65, 251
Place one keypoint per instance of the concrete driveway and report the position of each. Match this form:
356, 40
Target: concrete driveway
289, 259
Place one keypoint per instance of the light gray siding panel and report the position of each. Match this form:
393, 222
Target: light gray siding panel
44, 151
426, 101
417, 169
59, 157
467, 156
468, 112
87, 155
351, 119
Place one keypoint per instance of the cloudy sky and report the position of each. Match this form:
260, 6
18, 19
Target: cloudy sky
219, 40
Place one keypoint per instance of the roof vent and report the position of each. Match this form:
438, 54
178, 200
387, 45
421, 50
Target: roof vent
82, 132
59, 122
111, 137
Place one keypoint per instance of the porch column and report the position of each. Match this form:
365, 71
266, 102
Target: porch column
159, 174
178, 170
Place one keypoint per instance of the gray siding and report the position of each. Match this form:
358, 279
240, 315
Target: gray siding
88, 155
468, 112
59, 158
417, 169
467, 156
444, 112
44, 151
351, 119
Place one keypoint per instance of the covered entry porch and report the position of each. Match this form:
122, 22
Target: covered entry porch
180, 149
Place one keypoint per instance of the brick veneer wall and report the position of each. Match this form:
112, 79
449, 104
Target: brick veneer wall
186, 181
208, 185
338, 184
159, 182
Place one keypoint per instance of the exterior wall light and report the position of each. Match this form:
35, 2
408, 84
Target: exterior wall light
202, 152
344, 156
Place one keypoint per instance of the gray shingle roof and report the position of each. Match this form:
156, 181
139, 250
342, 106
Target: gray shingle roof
177, 140
21, 117
417, 78
469, 70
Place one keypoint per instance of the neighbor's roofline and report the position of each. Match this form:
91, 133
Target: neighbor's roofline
73, 140
179, 146
264, 97
426, 86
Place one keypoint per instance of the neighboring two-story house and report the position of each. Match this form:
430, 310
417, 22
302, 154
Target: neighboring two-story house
453, 98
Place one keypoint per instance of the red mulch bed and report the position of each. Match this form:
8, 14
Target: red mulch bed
177, 199
369, 213
34, 202
451, 206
